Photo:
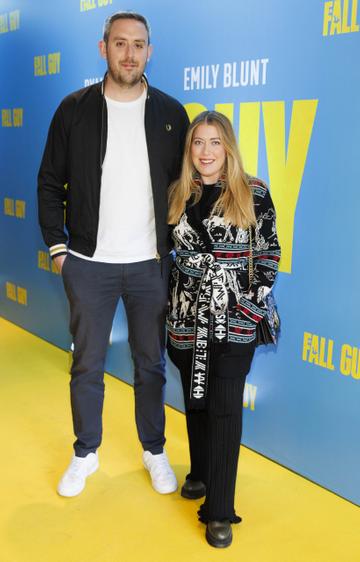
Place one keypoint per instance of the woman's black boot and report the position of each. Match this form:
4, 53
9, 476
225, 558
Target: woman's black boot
193, 489
219, 533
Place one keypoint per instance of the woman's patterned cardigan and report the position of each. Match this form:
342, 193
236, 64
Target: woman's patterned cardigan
212, 258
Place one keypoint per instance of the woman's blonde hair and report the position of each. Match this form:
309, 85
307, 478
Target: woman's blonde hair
235, 203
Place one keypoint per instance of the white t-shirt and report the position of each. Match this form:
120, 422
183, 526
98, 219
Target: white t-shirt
126, 231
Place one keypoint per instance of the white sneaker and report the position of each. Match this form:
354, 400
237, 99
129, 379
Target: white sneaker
73, 480
162, 475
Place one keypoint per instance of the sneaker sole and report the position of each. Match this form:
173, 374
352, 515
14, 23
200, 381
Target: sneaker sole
164, 492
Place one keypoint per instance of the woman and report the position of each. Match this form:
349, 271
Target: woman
213, 312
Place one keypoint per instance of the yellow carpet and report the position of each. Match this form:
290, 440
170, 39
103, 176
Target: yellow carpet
119, 518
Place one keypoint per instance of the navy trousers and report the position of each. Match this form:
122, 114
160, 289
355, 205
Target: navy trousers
93, 290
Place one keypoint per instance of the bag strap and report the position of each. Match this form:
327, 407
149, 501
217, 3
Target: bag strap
251, 259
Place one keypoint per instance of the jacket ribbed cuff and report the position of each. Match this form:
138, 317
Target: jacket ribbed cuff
58, 250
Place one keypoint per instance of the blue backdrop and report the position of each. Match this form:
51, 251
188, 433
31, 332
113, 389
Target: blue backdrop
287, 74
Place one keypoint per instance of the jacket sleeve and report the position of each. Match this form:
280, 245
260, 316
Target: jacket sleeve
183, 127
266, 257
52, 179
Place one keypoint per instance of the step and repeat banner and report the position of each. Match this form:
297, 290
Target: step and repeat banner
287, 74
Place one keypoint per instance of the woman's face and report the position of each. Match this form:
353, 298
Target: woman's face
208, 153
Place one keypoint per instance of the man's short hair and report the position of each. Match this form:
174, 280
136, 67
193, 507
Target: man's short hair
126, 15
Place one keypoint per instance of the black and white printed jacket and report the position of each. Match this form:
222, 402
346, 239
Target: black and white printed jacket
209, 290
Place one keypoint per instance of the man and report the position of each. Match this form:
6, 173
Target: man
112, 151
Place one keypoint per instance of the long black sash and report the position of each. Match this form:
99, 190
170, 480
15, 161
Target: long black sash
212, 299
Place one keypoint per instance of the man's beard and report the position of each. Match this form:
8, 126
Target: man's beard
123, 78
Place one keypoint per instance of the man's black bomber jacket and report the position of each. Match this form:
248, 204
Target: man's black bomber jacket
70, 173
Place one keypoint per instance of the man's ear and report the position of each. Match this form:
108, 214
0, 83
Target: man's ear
149, 52
102, 49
